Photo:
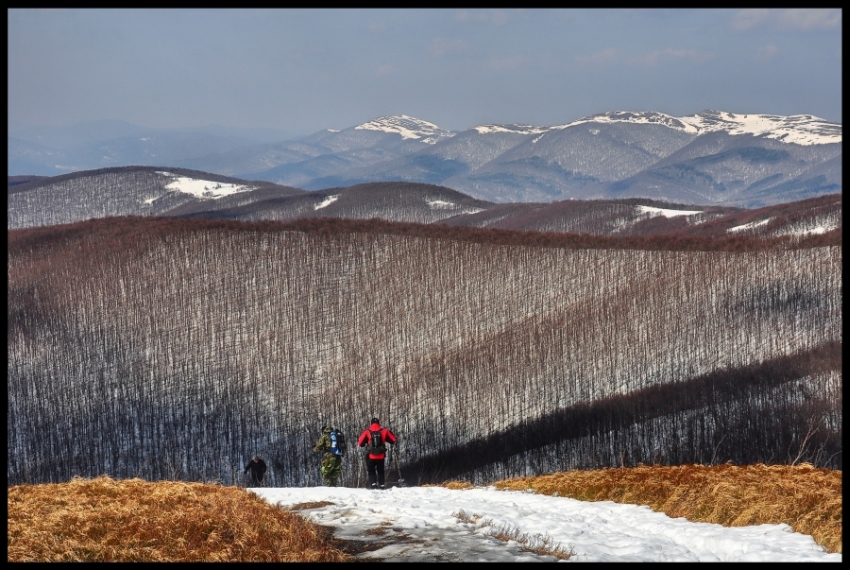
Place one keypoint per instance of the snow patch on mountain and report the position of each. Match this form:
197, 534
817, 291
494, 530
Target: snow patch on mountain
440, 204
667, 213
326, 202
203, 188
810, 228
797, 129
444, 205
800, 229
748, 226
513, 129
646, 212
408, 128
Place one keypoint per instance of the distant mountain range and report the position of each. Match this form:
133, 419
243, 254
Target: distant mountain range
50, 151
710, 158
152, 191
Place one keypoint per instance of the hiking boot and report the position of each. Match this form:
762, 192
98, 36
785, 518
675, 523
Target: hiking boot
383, 487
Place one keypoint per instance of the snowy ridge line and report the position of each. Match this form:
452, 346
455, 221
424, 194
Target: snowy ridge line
797, 129
516, 128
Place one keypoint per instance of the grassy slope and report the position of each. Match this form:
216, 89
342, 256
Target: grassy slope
133, 520
806, 498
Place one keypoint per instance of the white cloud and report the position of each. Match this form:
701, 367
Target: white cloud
614, 56
445, 46
384, 70
809, 19
766, 53
496, 17
668, 54
750, 18
507, 64
805, 19
599, 58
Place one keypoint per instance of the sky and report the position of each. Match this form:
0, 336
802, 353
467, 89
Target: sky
422, 525
300, 71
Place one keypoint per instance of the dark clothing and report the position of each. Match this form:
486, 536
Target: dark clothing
258, 470
375, 461
375, 469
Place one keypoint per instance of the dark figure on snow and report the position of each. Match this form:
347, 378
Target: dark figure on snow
257, 467
375, 439
331, 464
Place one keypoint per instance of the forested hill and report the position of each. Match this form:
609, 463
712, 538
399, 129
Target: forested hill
169, 348
168, 192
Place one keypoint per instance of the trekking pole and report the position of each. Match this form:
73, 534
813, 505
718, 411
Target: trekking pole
400, 482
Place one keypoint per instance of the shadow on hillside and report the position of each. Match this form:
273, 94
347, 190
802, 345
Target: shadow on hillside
706, 394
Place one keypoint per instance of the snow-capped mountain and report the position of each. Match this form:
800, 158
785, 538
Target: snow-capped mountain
712, 157
408, 128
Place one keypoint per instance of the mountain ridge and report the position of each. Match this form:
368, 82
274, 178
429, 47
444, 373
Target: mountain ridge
158, 191
608, 155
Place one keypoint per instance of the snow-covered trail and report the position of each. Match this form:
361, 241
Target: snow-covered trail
420, 524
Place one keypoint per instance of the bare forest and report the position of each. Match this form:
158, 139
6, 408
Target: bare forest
166, 348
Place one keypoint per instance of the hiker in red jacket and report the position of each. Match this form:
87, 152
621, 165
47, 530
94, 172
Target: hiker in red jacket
375, 439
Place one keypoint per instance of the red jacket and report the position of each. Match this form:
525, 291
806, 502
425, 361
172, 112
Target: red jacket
366, 436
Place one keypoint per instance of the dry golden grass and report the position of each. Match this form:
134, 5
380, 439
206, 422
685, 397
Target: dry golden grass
456, 485
106, 520
806, 498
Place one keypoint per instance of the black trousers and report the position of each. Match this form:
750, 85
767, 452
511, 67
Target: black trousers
375, 469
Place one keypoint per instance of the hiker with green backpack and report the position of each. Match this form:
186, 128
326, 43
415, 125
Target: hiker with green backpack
375, 439
332, 442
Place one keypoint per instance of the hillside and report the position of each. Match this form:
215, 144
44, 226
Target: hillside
170, 348
155, 191
133, 190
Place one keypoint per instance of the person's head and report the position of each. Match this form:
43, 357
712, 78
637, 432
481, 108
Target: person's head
327, 429
255, 458
375, 421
